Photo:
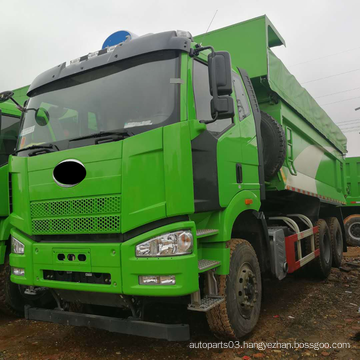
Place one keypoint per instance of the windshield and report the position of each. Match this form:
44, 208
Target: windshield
9, 129
135, 95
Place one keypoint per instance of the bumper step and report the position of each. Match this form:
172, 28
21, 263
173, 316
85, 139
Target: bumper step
205, 265
170, 332
207, 303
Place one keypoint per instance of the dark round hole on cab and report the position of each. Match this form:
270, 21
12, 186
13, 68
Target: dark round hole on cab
71, 257
61, 257
82, 257
69, 173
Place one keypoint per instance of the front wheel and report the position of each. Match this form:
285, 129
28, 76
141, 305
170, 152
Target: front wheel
11, 301
12, 296
239, 313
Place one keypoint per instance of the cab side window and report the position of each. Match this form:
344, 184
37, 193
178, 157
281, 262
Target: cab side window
241, 98
203, 99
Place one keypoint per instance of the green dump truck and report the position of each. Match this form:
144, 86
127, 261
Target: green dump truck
352, 210
9, 129
161, 170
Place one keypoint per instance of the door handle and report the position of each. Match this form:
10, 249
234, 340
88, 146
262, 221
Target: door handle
239, 176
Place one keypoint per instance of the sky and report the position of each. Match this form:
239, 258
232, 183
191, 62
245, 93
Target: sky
322, 39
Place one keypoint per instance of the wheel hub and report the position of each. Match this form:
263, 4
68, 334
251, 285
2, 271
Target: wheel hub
247, 290
354, 230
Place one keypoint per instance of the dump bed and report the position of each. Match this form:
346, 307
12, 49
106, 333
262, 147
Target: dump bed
353, 181
314, 163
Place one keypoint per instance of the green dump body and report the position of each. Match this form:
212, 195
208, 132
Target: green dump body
315, 145
353, 181
9, 110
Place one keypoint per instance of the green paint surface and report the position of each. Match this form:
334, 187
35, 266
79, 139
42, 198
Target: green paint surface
352, 166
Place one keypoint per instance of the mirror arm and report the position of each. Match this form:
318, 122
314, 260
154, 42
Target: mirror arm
199, 48
22, 109
210, 121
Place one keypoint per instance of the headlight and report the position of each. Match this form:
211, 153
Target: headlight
17, 247
174, 243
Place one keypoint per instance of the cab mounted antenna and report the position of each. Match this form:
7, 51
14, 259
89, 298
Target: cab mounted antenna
199, 47
207, 30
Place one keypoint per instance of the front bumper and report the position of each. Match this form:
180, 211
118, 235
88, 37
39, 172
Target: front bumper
170, 332
116, 260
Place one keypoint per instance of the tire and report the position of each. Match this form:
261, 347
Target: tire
237, 316
11, 301
274, 145
337, 242
12, 298
352, 230
320, 267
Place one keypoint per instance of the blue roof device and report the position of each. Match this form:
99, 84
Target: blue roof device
118, 37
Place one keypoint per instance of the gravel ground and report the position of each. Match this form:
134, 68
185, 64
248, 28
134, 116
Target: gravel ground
295, 309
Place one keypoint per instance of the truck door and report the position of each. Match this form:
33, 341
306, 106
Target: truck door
217, 153
249, 141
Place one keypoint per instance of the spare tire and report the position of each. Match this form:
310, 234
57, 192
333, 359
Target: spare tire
274, 145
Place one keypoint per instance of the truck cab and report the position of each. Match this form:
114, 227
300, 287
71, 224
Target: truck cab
11, 300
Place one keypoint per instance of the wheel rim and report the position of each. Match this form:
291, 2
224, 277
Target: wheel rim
354, 230
339, 245
326, 249
246, 290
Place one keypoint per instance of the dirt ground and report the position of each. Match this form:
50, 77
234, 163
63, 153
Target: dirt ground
295, 309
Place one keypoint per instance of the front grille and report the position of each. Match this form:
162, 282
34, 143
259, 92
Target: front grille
78, 277
76, 216
82, 206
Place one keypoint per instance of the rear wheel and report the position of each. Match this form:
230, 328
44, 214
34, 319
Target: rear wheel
320, 267
352, 229
239, 313
336, 241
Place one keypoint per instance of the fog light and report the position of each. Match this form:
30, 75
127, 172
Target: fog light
157, 280
18, 271
17, 247
167, 280
148, 280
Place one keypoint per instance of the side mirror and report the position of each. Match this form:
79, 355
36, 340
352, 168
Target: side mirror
8, 95
42, 117
5, 96
220, 78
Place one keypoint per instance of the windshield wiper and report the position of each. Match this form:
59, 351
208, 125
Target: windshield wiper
121, 134
45, 146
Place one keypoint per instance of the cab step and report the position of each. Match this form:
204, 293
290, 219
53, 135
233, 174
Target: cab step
205, 265
206, 232
206, 304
